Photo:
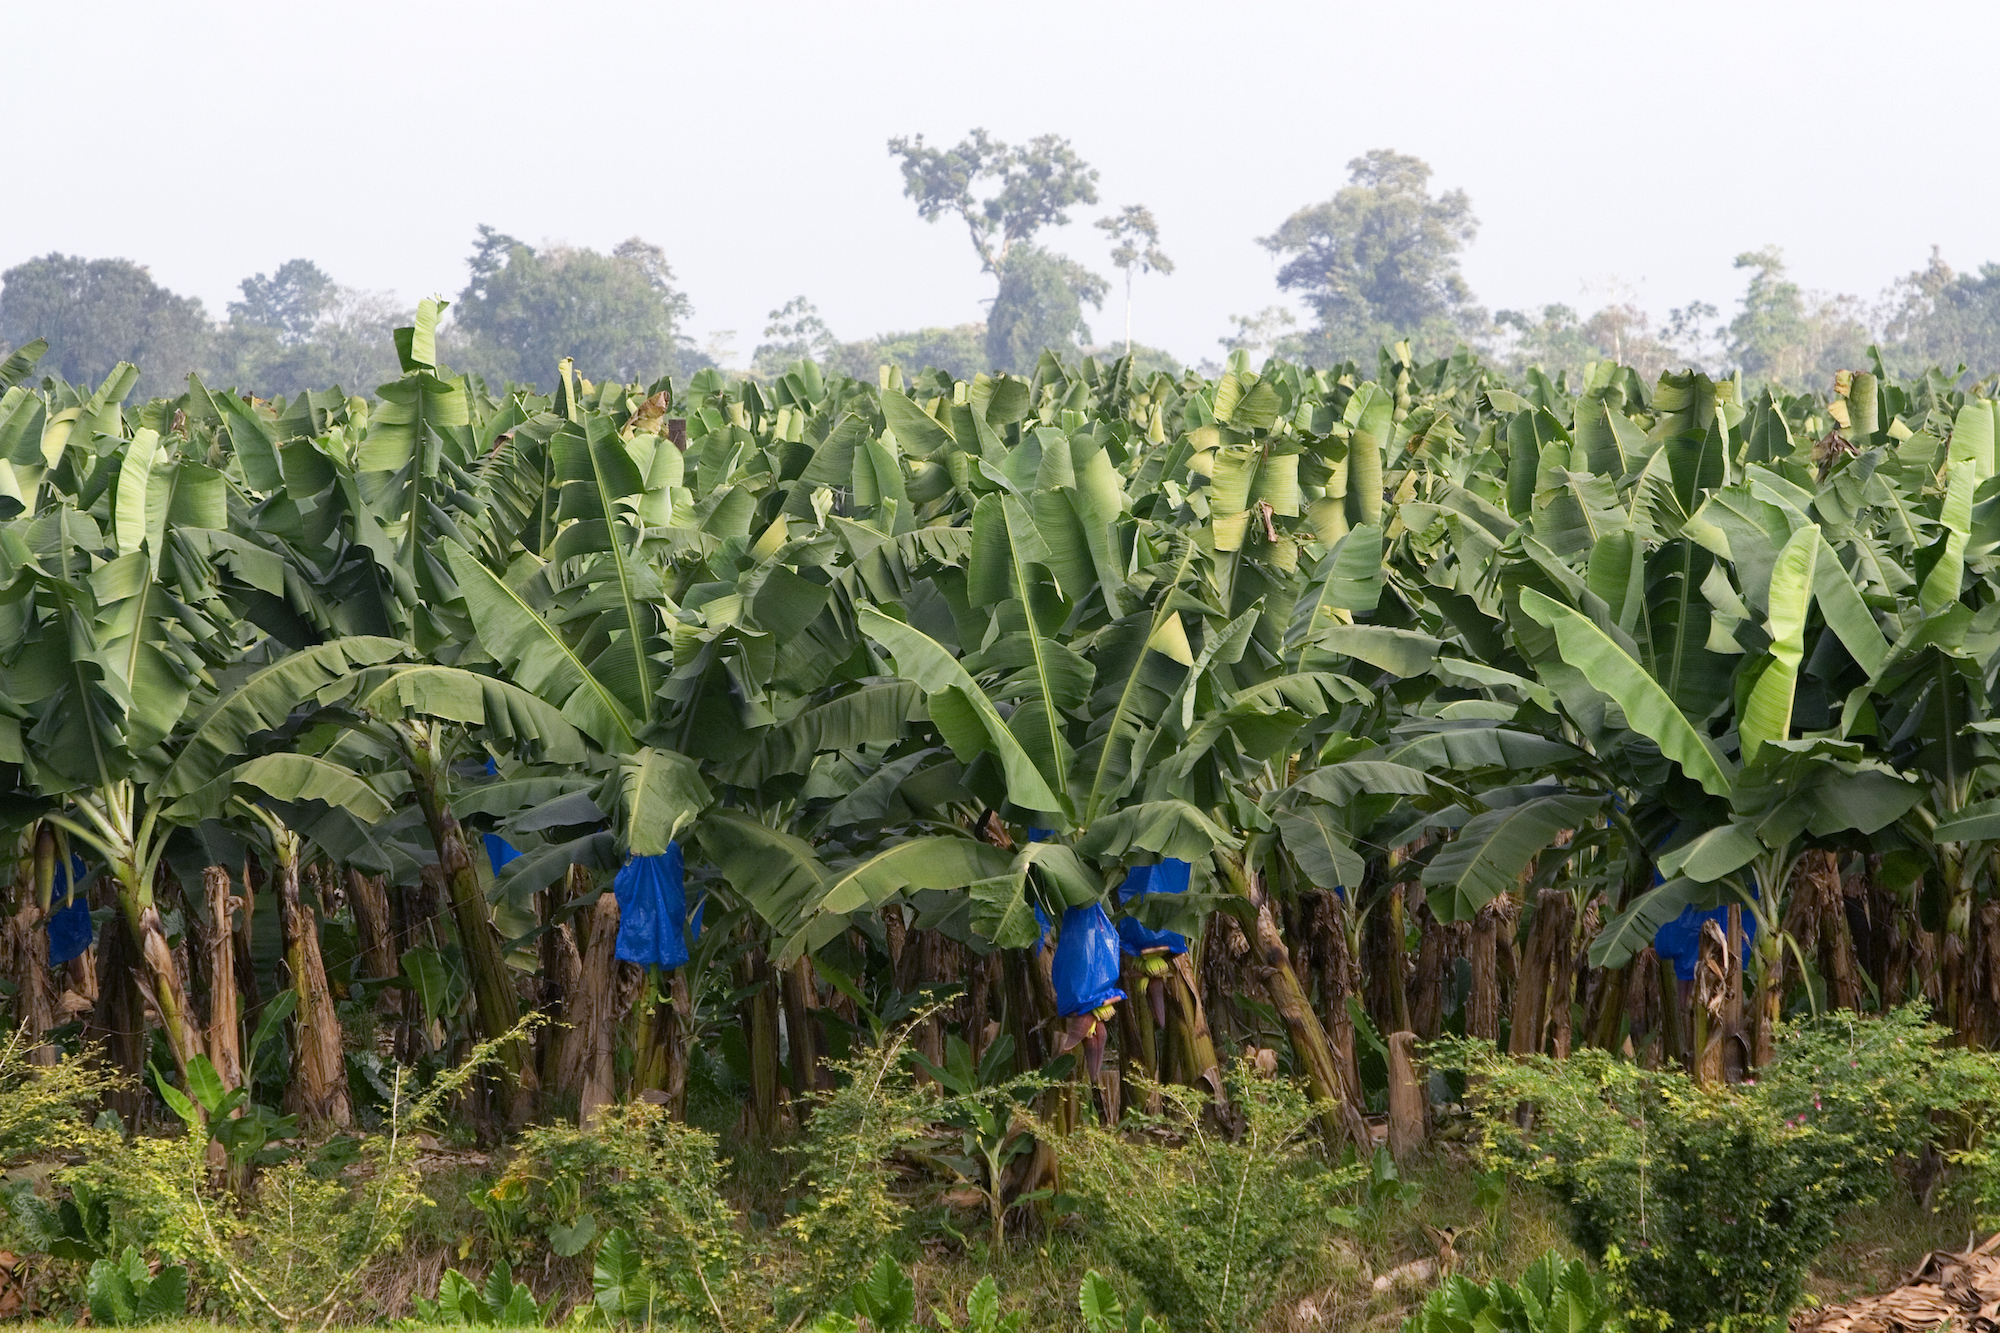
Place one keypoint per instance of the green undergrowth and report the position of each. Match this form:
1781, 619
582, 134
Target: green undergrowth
1039, 1276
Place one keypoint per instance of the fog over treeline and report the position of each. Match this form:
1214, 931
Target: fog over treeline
1377, 261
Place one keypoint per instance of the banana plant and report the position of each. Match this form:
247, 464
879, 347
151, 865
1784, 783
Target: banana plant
114, 629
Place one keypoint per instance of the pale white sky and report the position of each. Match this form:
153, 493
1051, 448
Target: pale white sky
1625, 148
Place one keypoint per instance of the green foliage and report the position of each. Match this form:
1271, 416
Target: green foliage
298, 330
992, 1113
1709, 1205
96, 313
982, 1312
625, 1291
617, 315
1209, 1225
886, 1298
1796, 338
1002, 193
874, 1108
1553, 1296
77, 1228
1379, 260
654, 1188
1944, 318
297, 1248
125, 1291
959, 351
228, 1115
42, 1107
502, 1302
1039, 307
1103, 1312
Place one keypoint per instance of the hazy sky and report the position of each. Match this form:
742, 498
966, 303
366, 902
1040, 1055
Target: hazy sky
1623, 149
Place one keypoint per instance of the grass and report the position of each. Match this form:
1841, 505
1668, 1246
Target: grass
1336, 1288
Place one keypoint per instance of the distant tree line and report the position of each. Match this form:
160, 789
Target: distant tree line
619, 314
1375, 263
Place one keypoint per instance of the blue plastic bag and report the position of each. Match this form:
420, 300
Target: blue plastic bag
499, 851
652, 909
1169, 876
1680, 939
1086, 962
69, 921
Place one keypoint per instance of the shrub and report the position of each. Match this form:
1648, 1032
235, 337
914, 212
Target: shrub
297, 1252
1209, 1226
502, 1301
1708, 1205
848, 1209
1553, 1296
655, 1183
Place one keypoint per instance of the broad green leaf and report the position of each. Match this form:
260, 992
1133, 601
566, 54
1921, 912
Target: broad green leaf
1713, 854
262, 700
303, 777
1487, 856
1323, 850
541, 659
1767, 713
1400, 652
504, 712
1978, 822
1634, 928
1941, 586
662, 792
1847, 615
20, 362
965, 716
1610, 669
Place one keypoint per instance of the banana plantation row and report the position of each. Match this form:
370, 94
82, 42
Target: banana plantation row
725, 723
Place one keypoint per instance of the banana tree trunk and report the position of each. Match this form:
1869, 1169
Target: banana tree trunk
419, 905
562, 967
759, 1015
1982, 1032
1541, 963
1409, 1098
1339, 1111
225, 1020
161, 978
1673, 1030
26, 947
1482, 1003
374, 930
587, 1068
1337, 982
659, 1038
250, 995
498, 1003
1427, 1002
1187, 1030
1837, 952
1611, 1004
318, 1088
1398, 957
118, 1023
801, 999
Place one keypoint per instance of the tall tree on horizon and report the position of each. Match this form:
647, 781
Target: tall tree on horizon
1137, 238
618, 315
1379, 260
96, 313
1005, 195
